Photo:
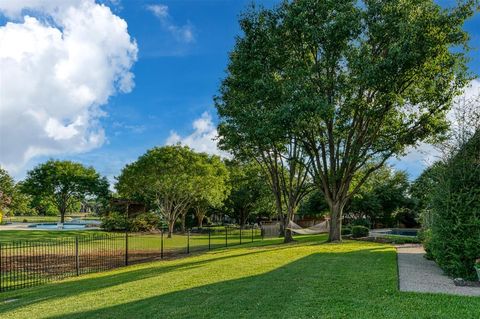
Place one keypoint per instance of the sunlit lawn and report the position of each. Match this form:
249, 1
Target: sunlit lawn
308, 279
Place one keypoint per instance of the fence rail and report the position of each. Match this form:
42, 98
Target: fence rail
30, 263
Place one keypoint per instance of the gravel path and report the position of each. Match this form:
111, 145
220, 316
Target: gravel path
421, 275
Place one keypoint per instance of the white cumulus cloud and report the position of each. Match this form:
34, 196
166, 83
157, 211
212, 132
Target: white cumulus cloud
202, 139
183, 33
58, 65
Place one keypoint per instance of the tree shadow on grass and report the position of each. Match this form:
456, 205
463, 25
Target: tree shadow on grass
79, 285
307, 287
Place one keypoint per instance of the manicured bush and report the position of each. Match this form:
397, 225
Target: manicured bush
114, 222
359, 231
141, 223
145, 222
455, 241
346, 231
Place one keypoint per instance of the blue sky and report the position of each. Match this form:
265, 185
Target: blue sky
182, 54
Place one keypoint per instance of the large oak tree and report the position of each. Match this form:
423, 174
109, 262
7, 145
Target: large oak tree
354, 82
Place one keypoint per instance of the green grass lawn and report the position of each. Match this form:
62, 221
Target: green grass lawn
307, 279
41, 235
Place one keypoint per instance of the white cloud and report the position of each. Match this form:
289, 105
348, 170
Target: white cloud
182, 33
202, 139
56, 72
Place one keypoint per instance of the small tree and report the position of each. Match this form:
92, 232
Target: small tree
64, 183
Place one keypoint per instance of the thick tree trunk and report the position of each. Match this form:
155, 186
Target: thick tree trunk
288, 238
200, 220
336, 213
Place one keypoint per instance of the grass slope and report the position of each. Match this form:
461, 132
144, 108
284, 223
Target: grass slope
307, 279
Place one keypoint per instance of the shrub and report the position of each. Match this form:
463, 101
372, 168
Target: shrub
359, 231
141, 223
114, 222
455, 240
145, 222
346, 231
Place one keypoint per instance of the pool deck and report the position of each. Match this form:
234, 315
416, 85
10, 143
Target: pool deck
16, 226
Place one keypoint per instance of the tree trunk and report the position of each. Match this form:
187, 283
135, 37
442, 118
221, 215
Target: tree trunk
62, 216
171, 223
336, 213
288, 238
183, 217
200, 220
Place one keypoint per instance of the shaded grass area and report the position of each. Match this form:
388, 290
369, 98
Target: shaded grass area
306, 279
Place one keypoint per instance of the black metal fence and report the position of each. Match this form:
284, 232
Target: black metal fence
30, 263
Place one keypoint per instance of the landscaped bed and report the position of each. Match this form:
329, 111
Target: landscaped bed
307, 279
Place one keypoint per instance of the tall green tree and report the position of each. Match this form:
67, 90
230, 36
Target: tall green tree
174, 179
355, 83
251, 119
64, 183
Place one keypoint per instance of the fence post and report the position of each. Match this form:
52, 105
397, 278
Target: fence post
77, 258
226, 236
161, 243
252, 233
126, 248
209, 235
188, 241
240, 235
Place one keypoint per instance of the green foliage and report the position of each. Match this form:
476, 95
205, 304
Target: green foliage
250, 195
354, 83
114, 222
7, 189
383, 200
64, 184
346, 231
172, 179
455, 242
145, 222
314, 205
359, 231
425, 237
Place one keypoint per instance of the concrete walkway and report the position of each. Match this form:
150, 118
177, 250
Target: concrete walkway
421, 275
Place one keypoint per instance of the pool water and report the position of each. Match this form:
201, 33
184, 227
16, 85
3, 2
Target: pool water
77, 225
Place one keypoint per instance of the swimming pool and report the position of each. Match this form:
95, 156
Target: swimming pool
411, 232
76, 225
